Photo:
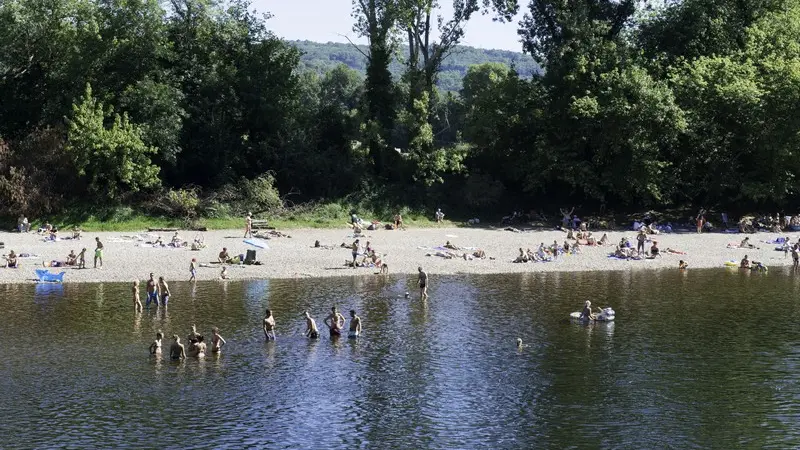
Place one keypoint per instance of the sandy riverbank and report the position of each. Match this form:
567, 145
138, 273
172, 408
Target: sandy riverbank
295, 257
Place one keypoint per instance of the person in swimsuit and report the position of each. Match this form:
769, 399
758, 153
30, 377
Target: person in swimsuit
354, 249
163, 291
248, 225
269, 326
98, 253
193, 334
795, 255
334, 322
72, 258
216, 341
224, 257
423, 283
355, 325
137, 304
197, 348
155, 347
193, 269
311, 327
82, 259
745, 264
586, 313
151, 290
176, 350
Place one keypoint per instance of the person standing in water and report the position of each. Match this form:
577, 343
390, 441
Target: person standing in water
355, 325
334, 322
152, 291
137, 304
193, 269
163, 291
98, 253
176, 350
422, 281
269, 326
311, 327
155, 347
216, 341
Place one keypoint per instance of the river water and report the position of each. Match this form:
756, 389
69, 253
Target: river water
700, 359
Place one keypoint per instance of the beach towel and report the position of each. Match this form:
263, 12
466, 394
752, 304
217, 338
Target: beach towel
258, 243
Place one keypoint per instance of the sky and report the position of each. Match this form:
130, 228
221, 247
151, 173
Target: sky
328, 20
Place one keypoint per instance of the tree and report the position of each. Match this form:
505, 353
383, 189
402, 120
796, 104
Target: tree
114, 160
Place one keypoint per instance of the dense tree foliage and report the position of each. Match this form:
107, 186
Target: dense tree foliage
615, 104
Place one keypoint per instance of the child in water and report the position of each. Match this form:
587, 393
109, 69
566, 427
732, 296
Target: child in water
193, 269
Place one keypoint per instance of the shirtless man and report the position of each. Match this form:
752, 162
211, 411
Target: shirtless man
216, 341
224, 257
176, 350
269, 326
198, 347
193, 334
334, 322
98, 253
155, 347
152, 291
137, 304
248, 225
355, 325
163, 291
423, 284
311, 327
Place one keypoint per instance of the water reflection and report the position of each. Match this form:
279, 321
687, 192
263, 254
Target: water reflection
692, 355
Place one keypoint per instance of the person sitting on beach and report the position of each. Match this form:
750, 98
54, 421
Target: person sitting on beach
45, 229
603, 239
578, 235
576, 248
745, 264
176, 350
522, 257
531, 255
654, 250
357, 228
746, 243
570, 234
480, 254
11, 260
566, 247
176, 240
72, 258
198, 242
682, 265
451, 246
541, 253
76, 233
53, 236
651, 229
398, 221
590, 240
624, 242
224, 257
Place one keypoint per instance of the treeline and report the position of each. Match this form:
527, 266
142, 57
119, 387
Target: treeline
323, 58
197, 108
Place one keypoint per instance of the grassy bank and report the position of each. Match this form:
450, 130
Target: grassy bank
319, 216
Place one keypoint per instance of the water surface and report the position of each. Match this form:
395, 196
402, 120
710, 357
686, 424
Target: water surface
702, 359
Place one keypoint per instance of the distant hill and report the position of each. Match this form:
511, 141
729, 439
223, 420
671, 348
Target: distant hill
323, 57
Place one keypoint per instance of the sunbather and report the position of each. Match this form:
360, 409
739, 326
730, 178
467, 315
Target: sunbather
11, 260
72, 258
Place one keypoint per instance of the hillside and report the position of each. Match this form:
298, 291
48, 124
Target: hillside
323, 57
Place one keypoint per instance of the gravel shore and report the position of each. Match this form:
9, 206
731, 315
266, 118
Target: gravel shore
125, 258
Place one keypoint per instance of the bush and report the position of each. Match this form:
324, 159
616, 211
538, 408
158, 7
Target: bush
258, 195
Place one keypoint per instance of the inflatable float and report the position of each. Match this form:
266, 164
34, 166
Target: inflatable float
606, 315
46, 276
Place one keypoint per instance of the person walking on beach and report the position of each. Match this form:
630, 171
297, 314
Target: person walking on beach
422, 281
334, 322
163, 291
269, 326
137, 304
151, 290
98, 253
248, 225
193, 269
311, 327
355, 325
176, 350
216, 341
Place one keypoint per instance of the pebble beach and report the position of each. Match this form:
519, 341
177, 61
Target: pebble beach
128, 257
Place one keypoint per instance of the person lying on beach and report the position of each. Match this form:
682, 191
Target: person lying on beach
590, 240
674, 252
480, 254
451, 246
72, 258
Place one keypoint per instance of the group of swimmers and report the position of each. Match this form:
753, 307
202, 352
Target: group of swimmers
197, 346
157, 292
335, 322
